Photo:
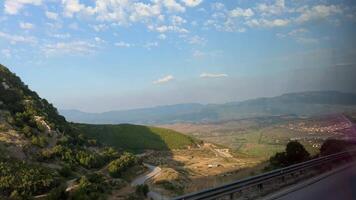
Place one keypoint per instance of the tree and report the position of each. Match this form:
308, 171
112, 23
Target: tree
294, 153
332, 146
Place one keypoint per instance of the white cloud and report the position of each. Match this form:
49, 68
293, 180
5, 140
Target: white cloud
297, 32
165, 28
271, 9
317, 12
173, 6
25, 25
299, 35
143, 11
123, 44
239, 12
12, 7
198, 54
197, 40
99, 40
162, 36
13, 39
217, 6
192, 3
164, 79
177, 20
51, 15
210, 75
150, 45
61, 36
70, 48
100, 27
267, 23
71, 7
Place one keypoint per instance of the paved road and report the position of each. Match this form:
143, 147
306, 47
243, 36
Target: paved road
142, 179
338, 186
153, 171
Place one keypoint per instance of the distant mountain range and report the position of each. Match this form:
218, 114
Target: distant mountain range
301, 104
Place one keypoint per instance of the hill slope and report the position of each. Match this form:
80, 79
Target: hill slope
136, 137
302, 104
40, 151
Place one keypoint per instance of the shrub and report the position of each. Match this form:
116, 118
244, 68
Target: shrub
294, 153
91, 187
58, 193
142, 189
65, 171
118, 166
21, 179
332, 146
39, 141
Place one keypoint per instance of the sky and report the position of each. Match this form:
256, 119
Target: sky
102, 55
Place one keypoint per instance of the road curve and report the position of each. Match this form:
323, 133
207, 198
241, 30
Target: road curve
153, 171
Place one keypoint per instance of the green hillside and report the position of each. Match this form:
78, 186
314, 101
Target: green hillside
137, 137
40, 151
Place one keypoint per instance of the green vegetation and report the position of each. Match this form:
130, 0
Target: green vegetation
24, 105
79, 156
294, 153
49, 140
142, 190
22, 180
91, 187
332, 146
136, 137
118, 166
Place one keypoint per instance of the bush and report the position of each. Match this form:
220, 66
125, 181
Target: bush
65, 171
74, 156
58, 193
332, 146
91, 187
118, 166
142, 190
295, 153
39, 141
18, 178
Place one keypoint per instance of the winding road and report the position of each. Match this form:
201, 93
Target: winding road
153, 171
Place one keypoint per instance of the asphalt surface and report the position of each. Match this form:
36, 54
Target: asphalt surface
153, 171
338, 186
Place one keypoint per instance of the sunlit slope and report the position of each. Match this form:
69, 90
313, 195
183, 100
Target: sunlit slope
137, 137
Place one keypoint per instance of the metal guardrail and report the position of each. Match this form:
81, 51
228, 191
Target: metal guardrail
230, 189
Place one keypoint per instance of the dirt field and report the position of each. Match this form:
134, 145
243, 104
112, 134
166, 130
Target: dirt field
194, 169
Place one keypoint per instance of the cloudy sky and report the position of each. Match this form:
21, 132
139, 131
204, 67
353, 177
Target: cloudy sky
100, 55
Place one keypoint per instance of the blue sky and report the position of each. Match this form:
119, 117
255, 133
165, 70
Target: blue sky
100, 55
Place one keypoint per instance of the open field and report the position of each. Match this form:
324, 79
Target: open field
263, 137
